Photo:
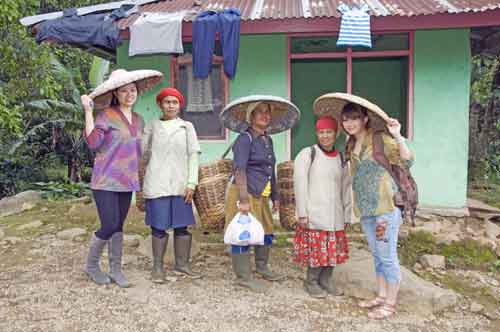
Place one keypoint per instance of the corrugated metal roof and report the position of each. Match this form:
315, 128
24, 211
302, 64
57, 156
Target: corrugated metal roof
283, 9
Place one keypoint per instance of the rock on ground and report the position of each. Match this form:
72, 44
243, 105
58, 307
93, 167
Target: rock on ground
33, 224
19, 203
146, 250
433, 261
71, 234
357, 279
132, 240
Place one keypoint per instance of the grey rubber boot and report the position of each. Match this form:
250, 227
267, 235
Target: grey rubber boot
243, 272
92, 265
261, 264
182, 251
327, 283
159, 247
115, 260
311, 284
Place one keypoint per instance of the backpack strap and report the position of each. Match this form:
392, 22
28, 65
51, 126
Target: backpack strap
379, 154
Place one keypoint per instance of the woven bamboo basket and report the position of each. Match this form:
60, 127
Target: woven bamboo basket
287, 195
210, 194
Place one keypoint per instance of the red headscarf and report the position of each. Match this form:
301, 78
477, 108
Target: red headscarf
170, 92
326, 122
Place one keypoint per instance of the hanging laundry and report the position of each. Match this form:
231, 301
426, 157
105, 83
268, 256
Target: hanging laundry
354, 26
205, 26
98, 30
155, 33
199, 93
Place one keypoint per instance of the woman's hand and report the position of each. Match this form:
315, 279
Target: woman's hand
188, 195
87, 103
303, 221
244, 207
276, 206
394, 127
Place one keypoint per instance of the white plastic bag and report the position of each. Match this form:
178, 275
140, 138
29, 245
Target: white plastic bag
244, 230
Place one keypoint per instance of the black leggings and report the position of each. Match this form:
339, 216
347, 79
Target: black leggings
177, 232
112, 207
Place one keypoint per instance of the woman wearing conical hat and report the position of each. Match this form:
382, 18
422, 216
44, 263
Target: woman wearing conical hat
254, 185
373, 137
114, 135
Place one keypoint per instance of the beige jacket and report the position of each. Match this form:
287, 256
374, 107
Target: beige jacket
322, 190
169, 149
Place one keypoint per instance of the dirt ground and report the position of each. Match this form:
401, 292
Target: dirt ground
43, 288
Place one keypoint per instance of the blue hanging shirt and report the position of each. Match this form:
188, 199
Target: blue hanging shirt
354, 26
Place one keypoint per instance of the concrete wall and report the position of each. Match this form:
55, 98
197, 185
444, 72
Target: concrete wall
442, 84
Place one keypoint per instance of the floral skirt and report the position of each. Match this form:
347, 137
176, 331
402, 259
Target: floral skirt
315, 248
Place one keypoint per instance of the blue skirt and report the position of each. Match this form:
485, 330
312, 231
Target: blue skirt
169, 212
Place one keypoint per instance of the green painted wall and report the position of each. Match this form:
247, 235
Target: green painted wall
261, 70
442, 75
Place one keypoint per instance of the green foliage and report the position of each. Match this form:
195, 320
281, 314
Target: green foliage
56, 191
415, 245
483, 74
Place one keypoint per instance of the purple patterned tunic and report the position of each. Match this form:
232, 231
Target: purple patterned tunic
117, 144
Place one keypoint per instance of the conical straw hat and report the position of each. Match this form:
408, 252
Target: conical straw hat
144, 79
331, 104
284, 114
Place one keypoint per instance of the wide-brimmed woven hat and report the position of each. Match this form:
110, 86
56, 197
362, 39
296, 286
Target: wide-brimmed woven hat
331, 104
284, 114
144, 79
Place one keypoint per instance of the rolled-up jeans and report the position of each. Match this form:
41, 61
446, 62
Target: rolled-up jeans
384, 250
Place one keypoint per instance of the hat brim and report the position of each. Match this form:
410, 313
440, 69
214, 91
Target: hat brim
284, 114
144, 79
332, 104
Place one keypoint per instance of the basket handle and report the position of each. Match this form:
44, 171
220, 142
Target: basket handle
228, 149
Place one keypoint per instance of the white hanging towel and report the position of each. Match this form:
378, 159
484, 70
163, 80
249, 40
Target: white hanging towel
354, 26
156, 33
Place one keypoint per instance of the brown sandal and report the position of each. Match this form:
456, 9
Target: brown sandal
369, 304
384, 311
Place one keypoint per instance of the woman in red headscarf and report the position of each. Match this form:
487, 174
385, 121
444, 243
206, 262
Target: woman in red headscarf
323, 200
170, 160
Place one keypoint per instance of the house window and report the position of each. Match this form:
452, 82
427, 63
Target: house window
382, 74
205, 98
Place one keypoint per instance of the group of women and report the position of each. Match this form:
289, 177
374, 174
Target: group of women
329, 186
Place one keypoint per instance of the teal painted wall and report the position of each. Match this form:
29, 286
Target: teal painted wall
261, 70
442, 84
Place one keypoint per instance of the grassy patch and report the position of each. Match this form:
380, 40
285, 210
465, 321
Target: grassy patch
488, 193
464, 254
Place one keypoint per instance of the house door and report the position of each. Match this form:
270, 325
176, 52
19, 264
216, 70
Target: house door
310, 79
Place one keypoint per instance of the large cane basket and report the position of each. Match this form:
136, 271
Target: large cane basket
210, 193
287, 195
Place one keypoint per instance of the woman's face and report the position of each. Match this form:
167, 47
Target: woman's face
170, 107
126, 95
354, 126
261, 116
326, 138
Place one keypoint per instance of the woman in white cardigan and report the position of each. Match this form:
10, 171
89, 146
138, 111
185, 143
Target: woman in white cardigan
323, 201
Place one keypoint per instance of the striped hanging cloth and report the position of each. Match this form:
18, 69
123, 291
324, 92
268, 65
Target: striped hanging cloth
355, 26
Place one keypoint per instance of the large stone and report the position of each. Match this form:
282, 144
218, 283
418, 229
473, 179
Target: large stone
2, 234
357, 279
71, 234
33, 224
433, 261
491, 230
433, 227
146, 250
476, 307
497, 250
19, 203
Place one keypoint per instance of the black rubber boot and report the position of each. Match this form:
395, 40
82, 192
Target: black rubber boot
159, 247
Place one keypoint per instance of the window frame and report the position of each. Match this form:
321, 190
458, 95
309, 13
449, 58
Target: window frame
349, 55
175, 62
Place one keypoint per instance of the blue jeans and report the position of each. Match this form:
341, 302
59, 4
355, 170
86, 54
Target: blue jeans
384, 250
